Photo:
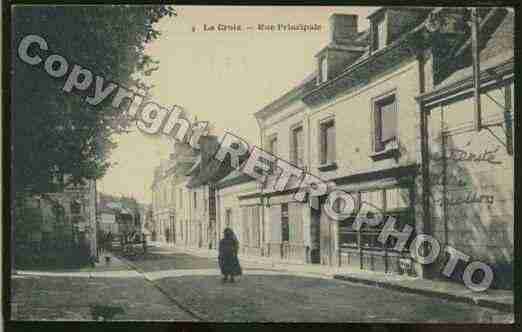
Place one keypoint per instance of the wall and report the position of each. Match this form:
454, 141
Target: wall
353, 122
228, 198
199, 219
162, 205
472, 188
280, 124
352, 113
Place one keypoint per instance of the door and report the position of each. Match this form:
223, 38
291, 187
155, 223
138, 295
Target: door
285, 231
315, 236
173, 226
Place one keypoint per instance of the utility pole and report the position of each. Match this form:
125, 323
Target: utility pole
475, 26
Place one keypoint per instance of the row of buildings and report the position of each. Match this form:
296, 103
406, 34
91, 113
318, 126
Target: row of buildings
392, 115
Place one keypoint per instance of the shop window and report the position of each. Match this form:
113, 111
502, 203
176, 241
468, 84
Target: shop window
367, 236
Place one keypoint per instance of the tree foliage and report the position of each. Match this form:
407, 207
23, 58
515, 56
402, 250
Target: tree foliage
55, 132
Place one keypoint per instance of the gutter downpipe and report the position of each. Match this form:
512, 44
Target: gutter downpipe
425, 170
308, 259
262, 199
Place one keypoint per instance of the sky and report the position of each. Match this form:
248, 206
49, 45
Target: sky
223, 77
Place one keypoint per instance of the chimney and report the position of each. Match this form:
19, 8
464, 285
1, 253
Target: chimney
343, 28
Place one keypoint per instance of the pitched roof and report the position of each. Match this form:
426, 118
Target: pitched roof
233, 178
498, 47
307, 84
207, 169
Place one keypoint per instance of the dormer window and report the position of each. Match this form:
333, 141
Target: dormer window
324, 70
379, 34
379, 29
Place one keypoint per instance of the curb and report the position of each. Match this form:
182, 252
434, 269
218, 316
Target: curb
194, 313
430, 293
505, 307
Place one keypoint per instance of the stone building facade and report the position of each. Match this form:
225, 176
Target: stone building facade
386, 115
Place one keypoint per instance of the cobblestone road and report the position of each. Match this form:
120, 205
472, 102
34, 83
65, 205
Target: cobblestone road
80, 298
195, 284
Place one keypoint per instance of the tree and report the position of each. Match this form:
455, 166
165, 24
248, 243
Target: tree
54, 132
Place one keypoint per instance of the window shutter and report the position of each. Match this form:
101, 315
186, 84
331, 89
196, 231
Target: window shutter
323, 142
330, 145
295, 222
381, 34
377, 145
389, 121
244, 225
275, 222
291, 223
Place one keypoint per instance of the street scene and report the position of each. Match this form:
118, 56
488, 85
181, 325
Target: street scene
172, 285
262, 164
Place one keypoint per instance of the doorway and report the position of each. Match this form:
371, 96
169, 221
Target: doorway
315, 235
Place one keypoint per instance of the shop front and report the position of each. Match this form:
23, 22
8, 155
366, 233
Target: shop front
344, 245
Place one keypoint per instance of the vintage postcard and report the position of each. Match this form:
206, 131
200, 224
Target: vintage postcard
262, 164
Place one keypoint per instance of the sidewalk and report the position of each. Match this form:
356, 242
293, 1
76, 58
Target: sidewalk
113, 268
111, 291
492, 298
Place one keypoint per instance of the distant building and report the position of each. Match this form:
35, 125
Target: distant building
204, 176
119, 215
59, 220
170, 211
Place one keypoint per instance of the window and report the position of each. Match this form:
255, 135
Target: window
324, 69
77, 219
246, 227
76, 207
285, 230
173, 227
59, 213
385, 127
379, 34
328, 142
195, 200
297, 146
367, 237
272, 146
212, 204
256, 226
180, 198
228, 217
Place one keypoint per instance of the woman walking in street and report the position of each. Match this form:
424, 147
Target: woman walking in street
228, 260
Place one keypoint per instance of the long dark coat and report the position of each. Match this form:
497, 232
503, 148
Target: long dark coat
228, 261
